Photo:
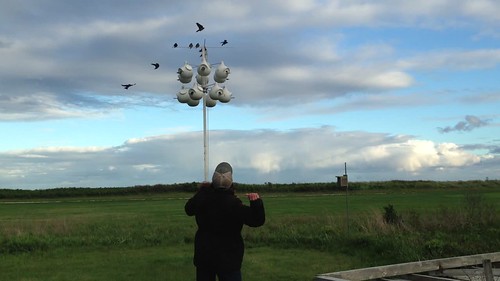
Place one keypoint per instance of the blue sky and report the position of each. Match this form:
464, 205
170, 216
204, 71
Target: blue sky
397, 89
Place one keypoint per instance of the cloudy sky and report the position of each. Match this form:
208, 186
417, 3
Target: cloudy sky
404, 90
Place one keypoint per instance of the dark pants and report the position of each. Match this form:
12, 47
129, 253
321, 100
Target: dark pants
209, 275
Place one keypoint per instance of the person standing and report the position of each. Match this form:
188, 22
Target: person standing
220, 216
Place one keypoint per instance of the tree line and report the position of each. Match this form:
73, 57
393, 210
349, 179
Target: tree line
190, 187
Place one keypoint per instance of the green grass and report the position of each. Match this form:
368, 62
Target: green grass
150, 237
148, 263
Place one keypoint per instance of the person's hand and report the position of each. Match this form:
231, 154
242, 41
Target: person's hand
204, 184
253, 196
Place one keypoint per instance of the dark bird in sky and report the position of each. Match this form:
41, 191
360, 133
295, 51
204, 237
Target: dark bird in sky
201, 51
156, 65
224, 42
126, 86
197, 45
191, 45
175, 45
200, 27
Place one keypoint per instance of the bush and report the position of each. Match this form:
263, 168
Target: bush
23, 244
390, 215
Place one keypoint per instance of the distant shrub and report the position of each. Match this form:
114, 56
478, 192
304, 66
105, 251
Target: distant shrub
390, 215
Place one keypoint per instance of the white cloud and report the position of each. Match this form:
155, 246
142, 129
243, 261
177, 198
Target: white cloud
487, 10
40, 106
414, 155
388, 80
43, 152
289, 59
64, 61
147, 168
455, 60
301, 155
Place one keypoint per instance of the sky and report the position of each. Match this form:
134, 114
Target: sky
394, 90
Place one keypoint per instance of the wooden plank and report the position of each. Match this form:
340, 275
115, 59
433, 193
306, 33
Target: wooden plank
424, 277
328, 278
408, 268
488, 271
468, 272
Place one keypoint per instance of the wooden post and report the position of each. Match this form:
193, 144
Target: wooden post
488, 270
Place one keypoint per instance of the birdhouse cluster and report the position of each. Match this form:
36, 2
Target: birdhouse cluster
202, 89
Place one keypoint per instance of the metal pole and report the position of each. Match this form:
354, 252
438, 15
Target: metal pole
346, 196
205, 142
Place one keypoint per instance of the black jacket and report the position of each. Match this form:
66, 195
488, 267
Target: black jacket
220, 216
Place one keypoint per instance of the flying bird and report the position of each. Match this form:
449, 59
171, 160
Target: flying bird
197, 45
126, 86
191, 45
224, 42
175, 45
156, 65
200, 27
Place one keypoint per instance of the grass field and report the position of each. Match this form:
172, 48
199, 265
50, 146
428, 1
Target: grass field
150, 237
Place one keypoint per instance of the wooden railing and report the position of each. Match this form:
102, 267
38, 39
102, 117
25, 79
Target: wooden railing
455, 268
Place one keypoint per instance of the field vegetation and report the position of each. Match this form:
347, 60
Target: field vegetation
142, 233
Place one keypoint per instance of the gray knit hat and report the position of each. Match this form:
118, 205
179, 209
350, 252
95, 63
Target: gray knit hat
223, 176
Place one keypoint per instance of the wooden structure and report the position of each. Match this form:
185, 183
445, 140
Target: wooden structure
342, 182
482, 267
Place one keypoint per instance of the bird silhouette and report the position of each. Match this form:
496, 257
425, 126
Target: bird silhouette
175, 45
126, 86
191, 45
201, 51
156, 65
200, 27
197, 45
224, 42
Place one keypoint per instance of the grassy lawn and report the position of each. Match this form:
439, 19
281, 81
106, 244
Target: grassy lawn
150, 237
148, 263
161, 263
